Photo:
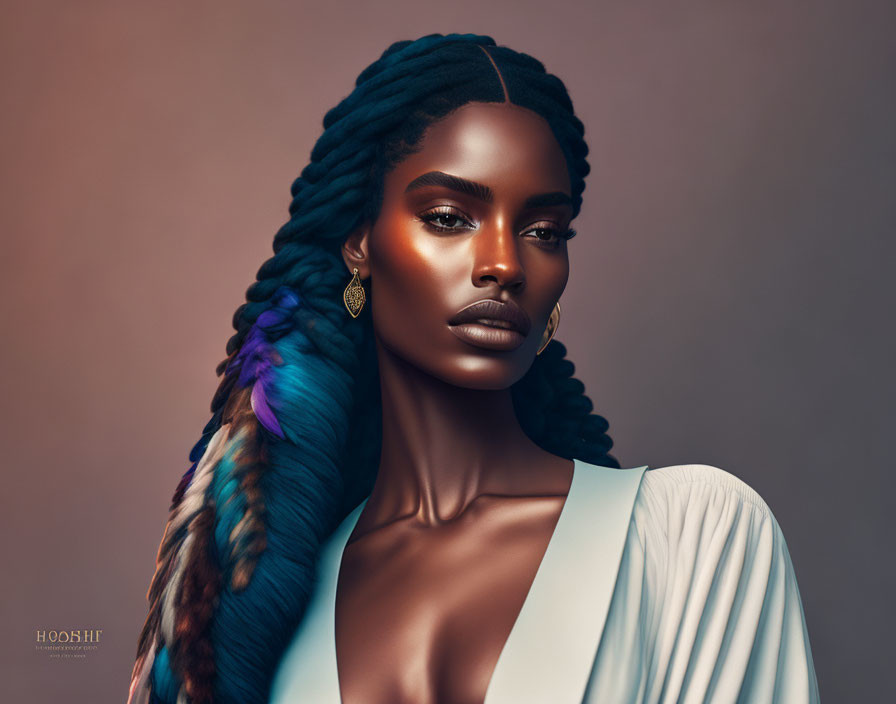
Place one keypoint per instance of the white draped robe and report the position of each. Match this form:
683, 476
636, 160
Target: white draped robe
670, 585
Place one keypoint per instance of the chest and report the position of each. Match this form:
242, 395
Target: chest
422, 615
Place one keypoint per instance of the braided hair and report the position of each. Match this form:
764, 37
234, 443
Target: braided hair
294, 439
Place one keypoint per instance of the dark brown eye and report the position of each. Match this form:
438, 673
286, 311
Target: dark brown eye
445, 220
549, 237
546, 237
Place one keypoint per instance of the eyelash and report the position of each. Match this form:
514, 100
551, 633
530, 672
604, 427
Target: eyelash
430, 216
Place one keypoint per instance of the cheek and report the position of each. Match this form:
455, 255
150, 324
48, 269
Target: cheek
547, 278
408, 273
562, 277
399, 263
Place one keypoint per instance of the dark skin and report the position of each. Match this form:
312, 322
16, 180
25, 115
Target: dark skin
439, 565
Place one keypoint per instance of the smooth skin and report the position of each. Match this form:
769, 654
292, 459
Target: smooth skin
437, 569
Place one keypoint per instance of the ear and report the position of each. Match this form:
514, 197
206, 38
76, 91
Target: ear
354, 251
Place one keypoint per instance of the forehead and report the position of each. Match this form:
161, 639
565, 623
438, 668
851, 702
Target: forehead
502, 145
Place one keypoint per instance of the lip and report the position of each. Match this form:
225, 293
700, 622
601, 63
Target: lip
491, 324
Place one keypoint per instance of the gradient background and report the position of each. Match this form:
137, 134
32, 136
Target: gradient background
730, 300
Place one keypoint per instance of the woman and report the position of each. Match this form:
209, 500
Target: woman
402, 476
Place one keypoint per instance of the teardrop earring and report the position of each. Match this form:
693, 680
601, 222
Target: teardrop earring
354, 296
553, 323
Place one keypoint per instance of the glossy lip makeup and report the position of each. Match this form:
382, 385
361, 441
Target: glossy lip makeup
492, 324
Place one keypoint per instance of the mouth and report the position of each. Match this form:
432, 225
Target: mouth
492, 324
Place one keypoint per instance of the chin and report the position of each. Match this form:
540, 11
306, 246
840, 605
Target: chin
462, 365
477, 371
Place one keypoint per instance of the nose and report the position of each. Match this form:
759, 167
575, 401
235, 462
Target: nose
497, 258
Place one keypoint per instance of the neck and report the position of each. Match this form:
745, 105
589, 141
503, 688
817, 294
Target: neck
444, 445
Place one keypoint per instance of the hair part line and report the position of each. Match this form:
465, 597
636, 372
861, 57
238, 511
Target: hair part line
500, 77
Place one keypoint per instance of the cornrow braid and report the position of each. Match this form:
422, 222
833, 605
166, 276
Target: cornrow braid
294, 438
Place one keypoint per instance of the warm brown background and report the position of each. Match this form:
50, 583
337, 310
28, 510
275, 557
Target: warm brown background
729, 302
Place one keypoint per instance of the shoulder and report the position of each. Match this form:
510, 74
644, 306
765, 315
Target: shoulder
708, 568
683, 483
690, 500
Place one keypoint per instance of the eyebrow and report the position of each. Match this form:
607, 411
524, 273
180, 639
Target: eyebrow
481, 191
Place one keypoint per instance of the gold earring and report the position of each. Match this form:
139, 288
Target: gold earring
354, 295
549, 331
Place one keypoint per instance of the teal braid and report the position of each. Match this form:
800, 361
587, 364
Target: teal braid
299, 394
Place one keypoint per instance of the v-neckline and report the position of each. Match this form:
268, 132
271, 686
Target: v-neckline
352, 521
548, 653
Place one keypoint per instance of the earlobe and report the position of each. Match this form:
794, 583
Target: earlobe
354, 250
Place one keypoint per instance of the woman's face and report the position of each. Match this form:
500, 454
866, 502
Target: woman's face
479, 213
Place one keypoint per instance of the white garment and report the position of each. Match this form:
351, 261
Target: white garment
706, 606
670, 585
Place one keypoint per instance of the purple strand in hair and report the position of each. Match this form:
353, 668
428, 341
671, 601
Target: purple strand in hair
257, 356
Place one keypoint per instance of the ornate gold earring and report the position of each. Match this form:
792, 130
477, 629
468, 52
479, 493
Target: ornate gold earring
549, 331
354, 295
